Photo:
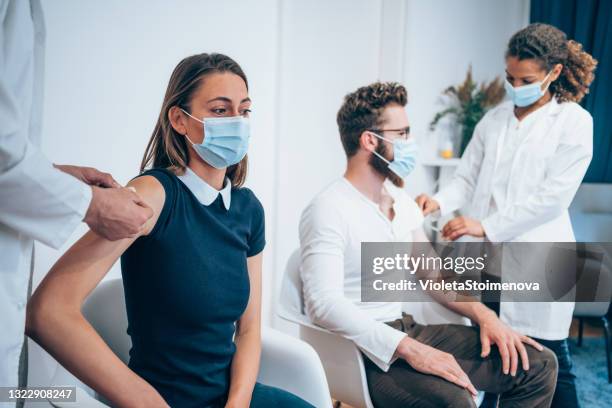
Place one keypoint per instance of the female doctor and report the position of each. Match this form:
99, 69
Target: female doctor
521, 170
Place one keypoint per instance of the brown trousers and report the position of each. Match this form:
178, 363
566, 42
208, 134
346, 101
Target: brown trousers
402, 386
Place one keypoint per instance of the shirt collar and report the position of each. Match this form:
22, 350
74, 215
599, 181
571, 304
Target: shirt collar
552, 108
203, 191
376, 207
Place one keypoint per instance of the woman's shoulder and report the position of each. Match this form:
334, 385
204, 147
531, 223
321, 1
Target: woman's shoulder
166, 179
500, 111
575, 112
159, 173
149, 186
147, 183
152, 192
247, 198
245, 193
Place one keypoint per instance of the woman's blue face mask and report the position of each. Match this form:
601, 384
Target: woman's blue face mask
527, 94
226, 140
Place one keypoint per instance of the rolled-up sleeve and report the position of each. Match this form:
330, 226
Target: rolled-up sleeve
323, 238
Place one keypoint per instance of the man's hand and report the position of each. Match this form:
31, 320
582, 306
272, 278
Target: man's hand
460, 226
89, 175
117, 213
511, 344
429, 360
427, 204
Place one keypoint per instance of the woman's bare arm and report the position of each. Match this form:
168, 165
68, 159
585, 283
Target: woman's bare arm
245, 364
54, 319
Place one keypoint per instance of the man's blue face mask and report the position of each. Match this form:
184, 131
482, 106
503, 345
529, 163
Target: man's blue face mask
226, 140
404, 155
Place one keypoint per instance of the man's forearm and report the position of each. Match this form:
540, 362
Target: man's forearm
475, 311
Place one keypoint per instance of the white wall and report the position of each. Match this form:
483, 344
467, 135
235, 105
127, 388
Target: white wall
327, 50
108, 63
443, 37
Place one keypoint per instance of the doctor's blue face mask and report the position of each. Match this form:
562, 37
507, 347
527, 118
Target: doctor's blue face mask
527, 94
226, 140
404, 155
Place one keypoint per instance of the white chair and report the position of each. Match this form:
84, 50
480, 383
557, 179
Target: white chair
342, 360
281, 354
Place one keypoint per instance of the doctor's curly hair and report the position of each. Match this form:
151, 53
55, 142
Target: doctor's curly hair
362, 110
549, 46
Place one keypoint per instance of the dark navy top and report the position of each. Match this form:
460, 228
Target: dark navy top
186, 284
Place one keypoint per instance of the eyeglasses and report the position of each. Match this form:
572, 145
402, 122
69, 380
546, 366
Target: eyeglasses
402, 133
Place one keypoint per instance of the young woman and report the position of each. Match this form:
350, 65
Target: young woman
521, 171
192, 276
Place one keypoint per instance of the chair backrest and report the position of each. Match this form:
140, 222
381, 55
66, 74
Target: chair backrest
596, 277
105, 310
341, 359
593, 198
291, 301
591, 214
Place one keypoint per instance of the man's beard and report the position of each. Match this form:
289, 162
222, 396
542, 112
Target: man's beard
382, 168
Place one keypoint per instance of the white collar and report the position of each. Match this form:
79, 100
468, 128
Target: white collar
506, 109
203, 191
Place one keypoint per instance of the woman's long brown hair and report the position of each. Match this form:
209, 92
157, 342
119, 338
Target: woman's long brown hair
167, 148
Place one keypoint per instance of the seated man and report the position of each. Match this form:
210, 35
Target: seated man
407, 364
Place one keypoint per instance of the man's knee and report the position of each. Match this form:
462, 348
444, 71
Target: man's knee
546, 367
455, 397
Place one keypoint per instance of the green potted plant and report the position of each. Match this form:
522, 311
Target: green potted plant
469, 101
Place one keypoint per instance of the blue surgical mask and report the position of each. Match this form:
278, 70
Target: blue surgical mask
226, 140
404, 155
527, 94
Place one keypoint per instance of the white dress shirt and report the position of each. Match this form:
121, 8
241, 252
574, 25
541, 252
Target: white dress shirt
37, 201
332, 228
518, 179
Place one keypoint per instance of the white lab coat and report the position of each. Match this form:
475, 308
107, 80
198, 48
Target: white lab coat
37, 201
547, 168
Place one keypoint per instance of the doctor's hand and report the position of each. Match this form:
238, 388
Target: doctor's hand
510, 343
427, 204
429, 360
89, 175
460, 226
117, 213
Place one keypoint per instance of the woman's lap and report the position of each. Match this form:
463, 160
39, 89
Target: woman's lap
265, 396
